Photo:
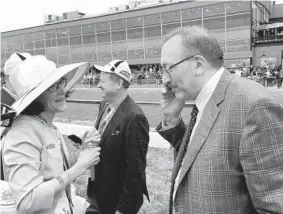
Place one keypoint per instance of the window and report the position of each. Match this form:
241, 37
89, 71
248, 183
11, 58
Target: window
135, 33
28, 46
238, 48
134, 22
153, 52
61, 33
136, 54
169, 27
76, 30
19, 39
39, 35
88, 29
118, 35
63, 41
102, 26
119, 45
28, 37
238, 42
192, 23
171, 17
50, 34
104, 56
119, 55
103, 47
192, 13
63, 60
18, 47
50, 42
238, 33
87, 57
63, 51
238, 20
152, 31
215, 9
39, 44
214, 23
118, 24
103, 37
237, 6
75, 50
51, 51
152, 19
76, 58
76, 40
89, 48
40, 52
238, 45
89, 39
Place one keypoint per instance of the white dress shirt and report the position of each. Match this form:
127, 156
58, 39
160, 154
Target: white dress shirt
201, 101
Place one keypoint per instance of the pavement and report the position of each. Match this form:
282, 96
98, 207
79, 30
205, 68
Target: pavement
155, 140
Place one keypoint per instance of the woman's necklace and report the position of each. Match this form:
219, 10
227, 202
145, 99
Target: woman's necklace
44, 122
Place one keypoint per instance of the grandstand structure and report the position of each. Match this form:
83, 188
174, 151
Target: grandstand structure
135, 33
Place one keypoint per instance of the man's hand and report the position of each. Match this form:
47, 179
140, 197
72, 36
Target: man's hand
171, 106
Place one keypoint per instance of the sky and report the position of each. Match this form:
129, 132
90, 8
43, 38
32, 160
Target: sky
16, 14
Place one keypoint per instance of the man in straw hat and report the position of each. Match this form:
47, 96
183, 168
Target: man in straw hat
120, 180
35, 156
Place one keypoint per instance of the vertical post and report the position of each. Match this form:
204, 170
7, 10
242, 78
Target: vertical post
225, 30
126, 29
110, 29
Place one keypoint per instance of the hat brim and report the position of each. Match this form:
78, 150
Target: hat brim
106, 69
73, 73
103, 69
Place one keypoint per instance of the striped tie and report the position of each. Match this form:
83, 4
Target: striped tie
103, 120
182, 153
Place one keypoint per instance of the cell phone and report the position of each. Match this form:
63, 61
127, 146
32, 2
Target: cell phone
75, 139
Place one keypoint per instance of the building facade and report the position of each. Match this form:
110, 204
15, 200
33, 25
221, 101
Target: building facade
135, 34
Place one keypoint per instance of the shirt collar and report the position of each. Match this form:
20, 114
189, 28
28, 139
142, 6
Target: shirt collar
115, 104
208, 89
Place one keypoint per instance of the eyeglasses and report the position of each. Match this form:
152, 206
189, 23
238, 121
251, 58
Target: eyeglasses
168, 68
62, 82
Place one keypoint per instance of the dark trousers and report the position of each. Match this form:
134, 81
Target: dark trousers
93, 207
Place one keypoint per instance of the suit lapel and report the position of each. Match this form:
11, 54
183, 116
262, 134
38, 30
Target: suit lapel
116, 119
100, 114
203, 129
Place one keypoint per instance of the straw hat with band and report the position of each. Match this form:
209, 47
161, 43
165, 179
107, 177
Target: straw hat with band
36, 74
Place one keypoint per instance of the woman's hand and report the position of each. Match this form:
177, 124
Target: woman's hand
90, 139
88, 157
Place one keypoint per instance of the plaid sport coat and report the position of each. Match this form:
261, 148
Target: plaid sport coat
234, 162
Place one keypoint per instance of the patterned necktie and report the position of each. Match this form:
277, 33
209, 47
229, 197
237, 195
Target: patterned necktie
103, 120
182, 153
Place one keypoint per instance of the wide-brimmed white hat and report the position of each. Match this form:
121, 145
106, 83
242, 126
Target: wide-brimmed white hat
36, 74
119, 67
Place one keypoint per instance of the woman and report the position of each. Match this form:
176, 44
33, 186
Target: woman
35, 157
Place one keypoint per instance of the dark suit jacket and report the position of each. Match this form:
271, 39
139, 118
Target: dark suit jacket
234, 161
120, 179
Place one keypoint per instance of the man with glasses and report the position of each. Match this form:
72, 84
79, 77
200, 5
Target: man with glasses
229, 154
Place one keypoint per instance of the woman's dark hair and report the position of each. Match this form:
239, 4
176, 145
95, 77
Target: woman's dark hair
36, 107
